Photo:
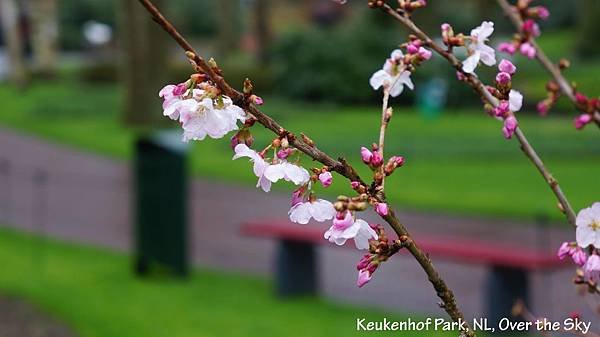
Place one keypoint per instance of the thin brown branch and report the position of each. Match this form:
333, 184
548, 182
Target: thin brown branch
479, 87
341, 166
385, 119
551, 68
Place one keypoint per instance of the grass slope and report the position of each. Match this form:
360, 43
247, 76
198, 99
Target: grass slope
95, 293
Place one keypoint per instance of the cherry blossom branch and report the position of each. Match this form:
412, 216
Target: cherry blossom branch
305, 145
480, 88
543, 59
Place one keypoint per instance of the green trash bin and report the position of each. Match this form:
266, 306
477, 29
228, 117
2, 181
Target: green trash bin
161, 205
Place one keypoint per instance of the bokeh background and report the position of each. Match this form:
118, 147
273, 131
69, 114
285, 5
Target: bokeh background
79, 94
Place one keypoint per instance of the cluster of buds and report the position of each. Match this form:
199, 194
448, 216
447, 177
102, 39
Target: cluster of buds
450, 39
588, 106
529, 29
380, 250
416, 53
572, 250
322, 175
393, 163
405, 6
510, 101
553, 92
344, 203
249, 96
373, 158
282, 148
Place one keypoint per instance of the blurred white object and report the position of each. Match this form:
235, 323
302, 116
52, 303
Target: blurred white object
97, 33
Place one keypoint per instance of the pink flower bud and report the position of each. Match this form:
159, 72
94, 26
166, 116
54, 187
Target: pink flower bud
564, 250
460, 76
412, 49
256, 100
242, 137
503, 78
376, 159
528, 50
180, 89
399, 160
425, 54
591, 269
507, 47
354, 184
364, 262
381, 208
582, 120
531, 27
579, 257
502, 109
326, 178
446, 27
542, 108
542, 12
363, 278
581, 99
510, 125
507, 67
366, 155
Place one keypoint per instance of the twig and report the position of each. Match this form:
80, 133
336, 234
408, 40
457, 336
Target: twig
543, 59
385, 119
479, 87
341, 166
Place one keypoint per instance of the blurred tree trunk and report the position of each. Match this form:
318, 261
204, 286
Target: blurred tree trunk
589, 29
229, 25
144, 67
44, 35
9, 15
263, 29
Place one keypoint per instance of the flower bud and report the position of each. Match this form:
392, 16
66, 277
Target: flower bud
366, 155
542, 108
528, 50
507, 67
502, 109
284, 153
510, 125
425, 54
376, 159
582, 120
503, 79
354, 184
326, 178
530, 27
243, 136
257, 100
381, 208
507, 47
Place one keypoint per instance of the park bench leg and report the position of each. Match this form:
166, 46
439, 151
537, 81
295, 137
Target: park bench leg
505, 285
296, 269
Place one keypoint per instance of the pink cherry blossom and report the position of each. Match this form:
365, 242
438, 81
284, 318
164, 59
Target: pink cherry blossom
588, 226
507, 67
348, 228
319, 209
571, 249
579, 257
393, 75
326, 178
478, 50
364, 276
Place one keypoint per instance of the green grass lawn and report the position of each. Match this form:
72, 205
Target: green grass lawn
94, 292
458, 163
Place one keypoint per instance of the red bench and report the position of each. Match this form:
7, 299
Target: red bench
296, 264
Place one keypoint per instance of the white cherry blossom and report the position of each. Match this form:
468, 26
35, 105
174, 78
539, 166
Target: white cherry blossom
588, 226
348, 228
319, 209
392, 74
478, 50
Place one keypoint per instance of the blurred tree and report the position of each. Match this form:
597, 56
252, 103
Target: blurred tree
263, 29
44, 34
589, 29
229, 26
144, 64
13, 37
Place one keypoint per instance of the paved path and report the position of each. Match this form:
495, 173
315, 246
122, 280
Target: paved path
80, 197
